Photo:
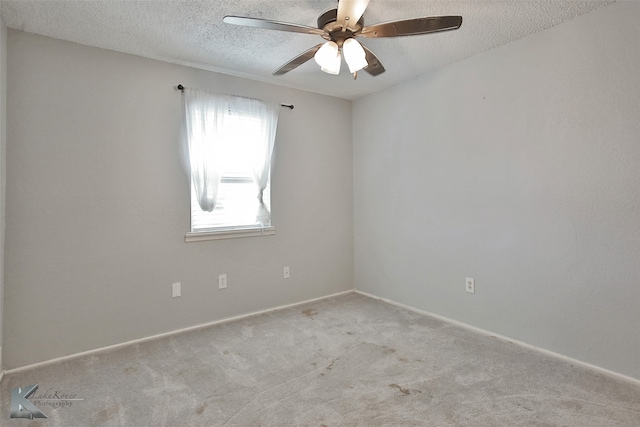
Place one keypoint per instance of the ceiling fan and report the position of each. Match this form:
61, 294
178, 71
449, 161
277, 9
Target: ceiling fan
340, 27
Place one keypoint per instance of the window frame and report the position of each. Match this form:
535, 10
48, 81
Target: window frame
232, 230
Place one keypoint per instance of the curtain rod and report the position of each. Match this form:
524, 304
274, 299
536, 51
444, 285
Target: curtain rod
181, 89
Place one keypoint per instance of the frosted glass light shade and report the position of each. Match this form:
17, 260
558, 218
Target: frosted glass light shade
354, 54
334, 67
328, 57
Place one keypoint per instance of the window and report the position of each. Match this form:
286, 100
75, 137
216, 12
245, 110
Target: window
230, 141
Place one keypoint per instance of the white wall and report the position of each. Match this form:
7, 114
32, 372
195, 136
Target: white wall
98, 203
519, 167
3, 151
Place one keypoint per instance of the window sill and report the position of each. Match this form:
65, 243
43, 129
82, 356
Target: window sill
201, 236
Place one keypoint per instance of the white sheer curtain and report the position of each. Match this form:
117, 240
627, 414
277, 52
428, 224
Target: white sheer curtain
205, 115
204, 121
261, 152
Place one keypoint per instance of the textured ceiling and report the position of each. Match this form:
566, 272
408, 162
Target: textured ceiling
192, 33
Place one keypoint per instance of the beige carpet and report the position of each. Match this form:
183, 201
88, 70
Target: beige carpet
345, 361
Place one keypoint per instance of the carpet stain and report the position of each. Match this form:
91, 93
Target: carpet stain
571, 405
388, 350
201, 408
130, 370
351, 333
225, 352
404, 391
107, 414
330, 365
309, 312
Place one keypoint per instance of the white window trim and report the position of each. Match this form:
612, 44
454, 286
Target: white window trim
231, 233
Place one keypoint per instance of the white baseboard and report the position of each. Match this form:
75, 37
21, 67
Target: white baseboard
171, 333
568, 359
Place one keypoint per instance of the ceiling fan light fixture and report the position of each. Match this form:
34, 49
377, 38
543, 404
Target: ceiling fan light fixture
354, 55
339, 27
328, 57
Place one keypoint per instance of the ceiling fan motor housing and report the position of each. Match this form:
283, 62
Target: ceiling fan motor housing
334, 31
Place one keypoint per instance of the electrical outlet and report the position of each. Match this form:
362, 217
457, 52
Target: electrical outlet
175, 289
222, 281
286, 272
471, 285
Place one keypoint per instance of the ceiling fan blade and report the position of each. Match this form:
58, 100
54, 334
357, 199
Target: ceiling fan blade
375, 67
350, 12
411, 27
297, 61
271, 25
